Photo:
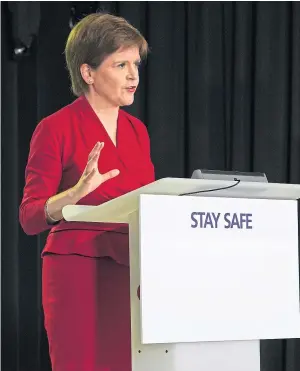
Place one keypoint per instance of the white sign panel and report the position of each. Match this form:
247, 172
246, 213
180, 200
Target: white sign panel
218, 269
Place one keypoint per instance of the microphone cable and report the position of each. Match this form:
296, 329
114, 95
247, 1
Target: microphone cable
237, 181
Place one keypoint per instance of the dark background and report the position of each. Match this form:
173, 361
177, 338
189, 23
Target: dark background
220, 90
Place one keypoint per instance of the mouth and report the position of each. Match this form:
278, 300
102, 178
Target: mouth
131, 89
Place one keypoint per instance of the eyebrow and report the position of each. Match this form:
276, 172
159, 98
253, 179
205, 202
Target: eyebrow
124, 61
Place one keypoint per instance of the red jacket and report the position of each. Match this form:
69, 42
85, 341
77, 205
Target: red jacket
58, 154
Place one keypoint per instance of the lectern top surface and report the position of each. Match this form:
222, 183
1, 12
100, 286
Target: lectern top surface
117, 210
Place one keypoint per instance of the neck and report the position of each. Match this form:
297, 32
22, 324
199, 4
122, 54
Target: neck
102, 108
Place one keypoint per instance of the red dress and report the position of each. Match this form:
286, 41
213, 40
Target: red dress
85, 265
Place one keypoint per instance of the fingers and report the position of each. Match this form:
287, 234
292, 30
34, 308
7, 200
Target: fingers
104, 177
94, 157
97, 149
110, 174
93, 151
92, 165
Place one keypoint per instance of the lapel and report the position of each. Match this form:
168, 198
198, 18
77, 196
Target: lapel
88, 114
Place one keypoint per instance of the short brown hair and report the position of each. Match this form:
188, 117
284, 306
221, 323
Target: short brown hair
95, 37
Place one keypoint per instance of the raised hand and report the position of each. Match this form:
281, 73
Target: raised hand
91, 178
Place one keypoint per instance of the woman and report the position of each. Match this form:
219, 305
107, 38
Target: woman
88, 153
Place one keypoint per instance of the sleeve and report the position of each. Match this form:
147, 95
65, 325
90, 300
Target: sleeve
42, 178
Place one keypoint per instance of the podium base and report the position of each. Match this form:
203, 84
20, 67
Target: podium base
202, 356
214, 356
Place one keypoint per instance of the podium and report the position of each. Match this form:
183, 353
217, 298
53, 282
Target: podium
217, 271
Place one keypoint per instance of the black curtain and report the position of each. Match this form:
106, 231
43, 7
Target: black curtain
220, 90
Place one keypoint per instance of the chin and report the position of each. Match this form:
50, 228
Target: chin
127, 102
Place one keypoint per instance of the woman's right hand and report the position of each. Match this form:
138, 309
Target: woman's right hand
91, 178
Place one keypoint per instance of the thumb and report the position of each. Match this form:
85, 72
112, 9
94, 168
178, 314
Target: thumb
110, 174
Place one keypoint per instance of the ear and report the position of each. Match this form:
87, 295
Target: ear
86, 73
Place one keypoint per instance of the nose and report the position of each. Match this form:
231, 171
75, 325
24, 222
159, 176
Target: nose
132, 73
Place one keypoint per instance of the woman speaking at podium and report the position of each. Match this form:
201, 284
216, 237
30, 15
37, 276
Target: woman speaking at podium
89, 152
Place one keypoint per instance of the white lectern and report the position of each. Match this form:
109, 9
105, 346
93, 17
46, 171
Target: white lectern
218, 271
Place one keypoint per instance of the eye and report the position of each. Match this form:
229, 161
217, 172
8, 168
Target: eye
121, 65
138, 64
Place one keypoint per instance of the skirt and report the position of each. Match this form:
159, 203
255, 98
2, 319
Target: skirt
86, 303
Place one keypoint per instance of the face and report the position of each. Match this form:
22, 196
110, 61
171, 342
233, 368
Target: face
116, 79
